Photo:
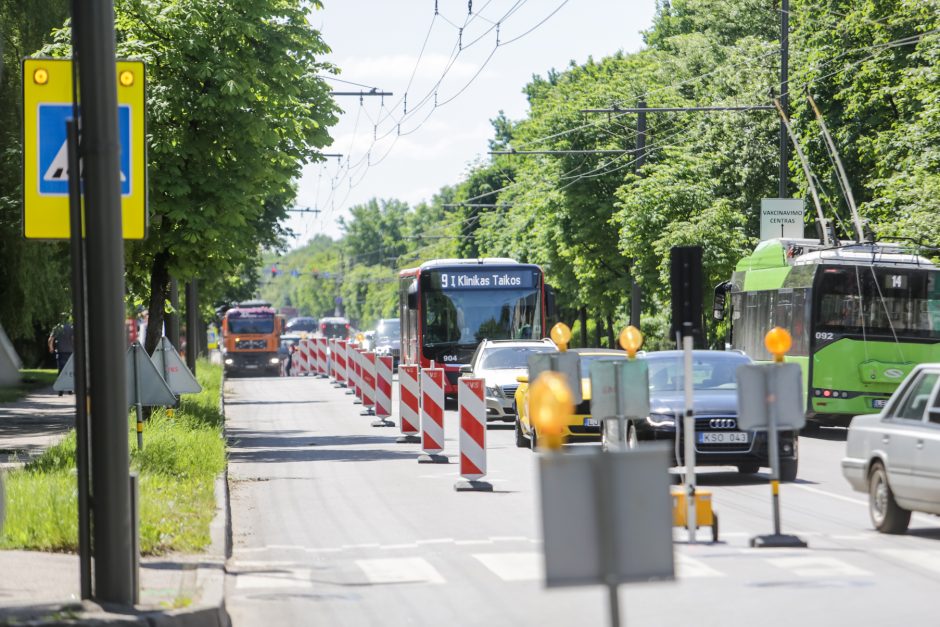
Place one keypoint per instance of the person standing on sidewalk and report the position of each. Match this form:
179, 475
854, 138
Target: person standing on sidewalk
61, 343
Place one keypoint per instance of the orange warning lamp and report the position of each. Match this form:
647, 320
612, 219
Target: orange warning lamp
631, 339
359, 337
778, 342
550, 404
561, 335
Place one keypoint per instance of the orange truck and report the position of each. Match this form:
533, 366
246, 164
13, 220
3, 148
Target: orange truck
251, 334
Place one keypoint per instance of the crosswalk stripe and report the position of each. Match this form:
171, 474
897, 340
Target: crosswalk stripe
927, 560
289, 578
818, 566
688, 567
399, 570
513, 566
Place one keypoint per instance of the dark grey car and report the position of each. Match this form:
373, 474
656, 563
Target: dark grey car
718, 441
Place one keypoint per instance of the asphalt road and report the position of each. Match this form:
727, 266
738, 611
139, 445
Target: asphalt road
335, 524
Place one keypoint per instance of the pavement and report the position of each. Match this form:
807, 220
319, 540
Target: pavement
41, 588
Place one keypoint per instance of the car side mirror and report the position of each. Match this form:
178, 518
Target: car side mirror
523, 378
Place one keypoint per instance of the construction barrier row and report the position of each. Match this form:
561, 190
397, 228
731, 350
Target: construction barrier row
369, 379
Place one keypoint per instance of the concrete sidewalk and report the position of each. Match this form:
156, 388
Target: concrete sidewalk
38, 588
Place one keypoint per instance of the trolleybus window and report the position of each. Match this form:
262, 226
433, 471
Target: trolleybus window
881, 301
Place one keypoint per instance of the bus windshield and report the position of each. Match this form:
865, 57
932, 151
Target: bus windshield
246, 325
467, 318
880, 301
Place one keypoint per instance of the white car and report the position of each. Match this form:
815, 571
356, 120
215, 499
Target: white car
894, 456
499, 362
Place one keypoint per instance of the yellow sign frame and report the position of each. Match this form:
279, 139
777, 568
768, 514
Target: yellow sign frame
49, 82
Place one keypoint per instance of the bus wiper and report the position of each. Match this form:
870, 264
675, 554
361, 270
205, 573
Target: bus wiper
436, 344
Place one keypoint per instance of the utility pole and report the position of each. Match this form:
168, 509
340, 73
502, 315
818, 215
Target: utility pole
784, 93
192, 325
636, 295
93, 45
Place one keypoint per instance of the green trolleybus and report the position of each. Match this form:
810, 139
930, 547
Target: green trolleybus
862, 315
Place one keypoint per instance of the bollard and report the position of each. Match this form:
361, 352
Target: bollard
432, 416
352, 370
409, 404
471, 408
367, 382
306, 356
383, 391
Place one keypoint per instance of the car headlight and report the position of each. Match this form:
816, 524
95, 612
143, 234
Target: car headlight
275, 360
492, 392
229, 361
661, 420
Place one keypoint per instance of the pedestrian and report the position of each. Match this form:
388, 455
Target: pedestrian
61, 344
291, 349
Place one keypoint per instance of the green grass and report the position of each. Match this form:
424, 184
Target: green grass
182, 455
32, 380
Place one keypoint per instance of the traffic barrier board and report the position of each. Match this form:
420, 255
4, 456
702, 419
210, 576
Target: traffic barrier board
409, 403
472, 411
432, 416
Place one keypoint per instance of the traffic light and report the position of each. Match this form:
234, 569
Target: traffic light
685, 273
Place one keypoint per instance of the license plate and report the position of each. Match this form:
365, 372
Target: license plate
879, 403
591, 422
251, 365
723, 437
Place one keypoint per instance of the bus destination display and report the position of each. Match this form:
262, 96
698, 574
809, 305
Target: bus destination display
483, 279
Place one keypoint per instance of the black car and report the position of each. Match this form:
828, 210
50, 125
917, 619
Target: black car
304, 324
718, 441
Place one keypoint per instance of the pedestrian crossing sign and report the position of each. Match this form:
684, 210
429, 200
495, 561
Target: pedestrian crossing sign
47, 105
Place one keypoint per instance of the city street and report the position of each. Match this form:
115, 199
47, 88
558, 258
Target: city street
333, 523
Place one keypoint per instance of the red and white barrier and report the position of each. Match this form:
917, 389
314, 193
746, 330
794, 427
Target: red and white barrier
367, 381
352, 370
432, 416
339, 361
409, 403
472, 411
383, 390
321, 356
305, 350
331, 347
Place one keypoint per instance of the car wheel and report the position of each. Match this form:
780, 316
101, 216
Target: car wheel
521, 441
749, 468
886, 515
605, 441
788, 469
533, 439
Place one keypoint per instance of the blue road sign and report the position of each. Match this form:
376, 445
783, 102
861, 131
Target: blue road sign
53, 155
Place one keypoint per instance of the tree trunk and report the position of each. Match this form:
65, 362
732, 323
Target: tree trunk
159, 288
584, 336
610, 331
598, 328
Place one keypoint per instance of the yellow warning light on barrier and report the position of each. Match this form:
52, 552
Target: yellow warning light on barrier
778, 342
550, 404
126, 78
561, 335
631, 339
359, 337
40, 76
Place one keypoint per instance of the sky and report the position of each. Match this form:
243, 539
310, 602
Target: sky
448, 78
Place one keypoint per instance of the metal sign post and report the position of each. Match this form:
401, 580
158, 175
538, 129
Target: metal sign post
769, 399
688, 432
619, 394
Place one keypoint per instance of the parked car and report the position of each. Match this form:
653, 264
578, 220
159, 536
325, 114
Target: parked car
894, 455
334, 327
718, 441
500, 362
388, 338
580, 426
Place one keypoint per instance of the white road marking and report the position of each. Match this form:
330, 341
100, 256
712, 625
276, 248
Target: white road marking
399, 570
927, 560
509, 538
833, 495
436, 541
514, 566
411, 545
290, 578
472, 542
819, 567
689, 567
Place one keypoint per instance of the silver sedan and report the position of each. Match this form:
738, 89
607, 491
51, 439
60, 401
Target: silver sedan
894, 456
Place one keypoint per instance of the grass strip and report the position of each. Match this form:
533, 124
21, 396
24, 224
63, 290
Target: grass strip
31, 381
183, 452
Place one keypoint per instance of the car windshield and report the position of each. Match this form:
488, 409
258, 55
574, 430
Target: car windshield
708, 373
388, 331
510, 357
244, 326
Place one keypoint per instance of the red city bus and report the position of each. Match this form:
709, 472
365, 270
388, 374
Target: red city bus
448, 306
